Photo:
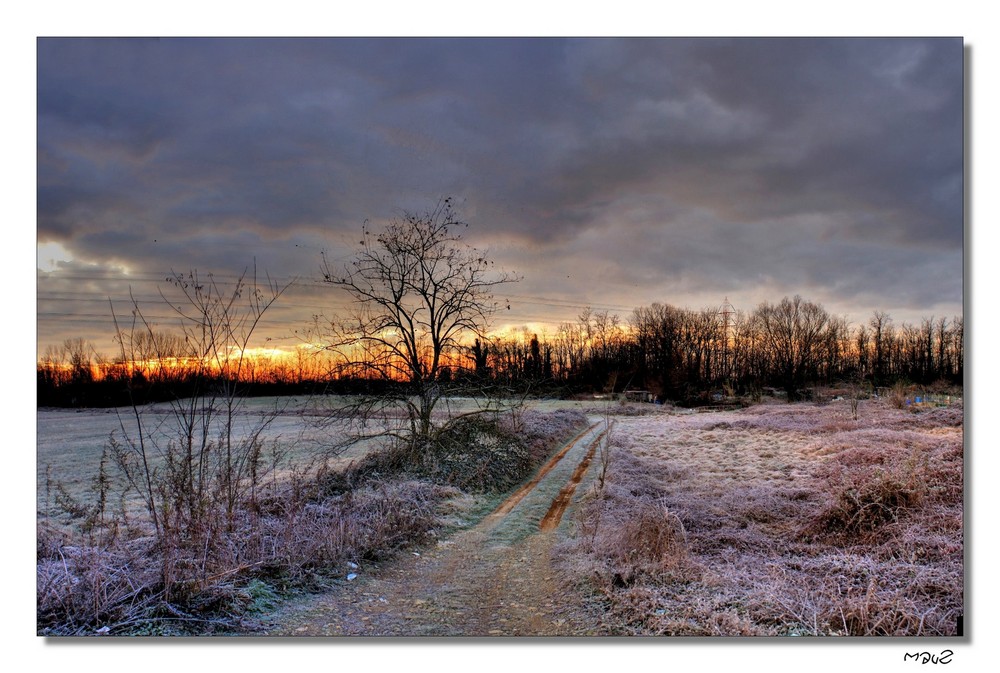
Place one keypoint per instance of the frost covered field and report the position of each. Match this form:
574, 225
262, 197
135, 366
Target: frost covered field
776, 519
780, 519
70, 442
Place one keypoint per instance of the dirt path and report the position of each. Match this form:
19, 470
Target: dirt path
494, 579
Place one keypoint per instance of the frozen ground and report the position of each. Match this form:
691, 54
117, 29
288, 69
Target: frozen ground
69, 442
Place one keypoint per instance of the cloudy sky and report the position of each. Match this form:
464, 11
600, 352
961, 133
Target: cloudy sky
609, 173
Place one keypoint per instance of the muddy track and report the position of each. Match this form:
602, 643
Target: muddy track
562, 501
494, 579
507, 505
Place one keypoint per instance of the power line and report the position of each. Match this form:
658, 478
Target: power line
94, 318
88, 298
297, 281
567, 303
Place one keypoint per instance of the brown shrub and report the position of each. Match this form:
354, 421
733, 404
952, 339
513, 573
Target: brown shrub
477, 454
485, 454
898, 396
632, 540
873, 612
649, 542
867, 499
474, 453
81, 587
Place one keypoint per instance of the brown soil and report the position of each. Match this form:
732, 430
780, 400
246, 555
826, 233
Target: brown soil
494, 579
565, 497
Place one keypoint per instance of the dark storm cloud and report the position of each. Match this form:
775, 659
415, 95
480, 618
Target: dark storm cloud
669, 164
764, 128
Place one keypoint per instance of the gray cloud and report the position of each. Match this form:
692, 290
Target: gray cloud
606, 171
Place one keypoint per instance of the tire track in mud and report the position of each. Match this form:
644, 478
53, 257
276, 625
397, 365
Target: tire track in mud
493, 579
511, 502
559, 505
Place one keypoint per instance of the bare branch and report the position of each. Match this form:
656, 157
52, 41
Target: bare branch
419, 293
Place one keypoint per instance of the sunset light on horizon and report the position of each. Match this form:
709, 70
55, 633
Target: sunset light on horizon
607, 174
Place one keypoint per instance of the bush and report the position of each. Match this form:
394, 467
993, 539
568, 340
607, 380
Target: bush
628, 535
474, 453
477, 454
648, 541
542, 431
867, 499
81, 587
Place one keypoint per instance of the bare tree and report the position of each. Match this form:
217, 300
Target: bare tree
79, 354
197, 464
793, 333
882, 335
420, 294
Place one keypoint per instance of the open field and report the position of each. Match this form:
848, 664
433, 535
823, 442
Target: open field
778, 520
69, 442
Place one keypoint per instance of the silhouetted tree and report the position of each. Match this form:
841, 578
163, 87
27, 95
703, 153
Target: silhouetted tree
793, 332
881, 338
480, 355
419, 292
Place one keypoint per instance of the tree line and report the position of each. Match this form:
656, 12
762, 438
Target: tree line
674, 353
681, 354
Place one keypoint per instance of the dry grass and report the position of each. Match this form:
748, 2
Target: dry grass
114, 575
129, 584
637, 539
796, 519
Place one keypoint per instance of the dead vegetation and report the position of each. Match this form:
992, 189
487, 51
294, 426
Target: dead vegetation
131, 583
481, 454
114, 574
779, 520
476, 453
